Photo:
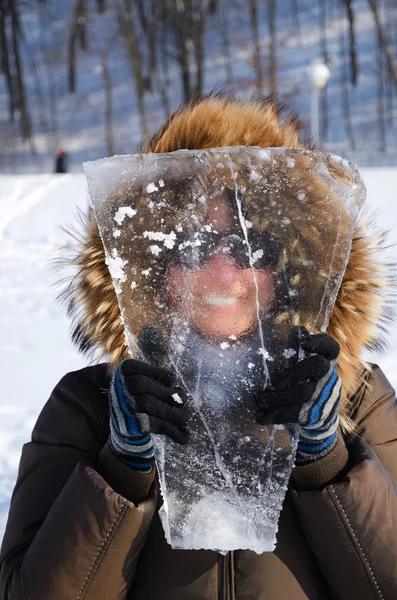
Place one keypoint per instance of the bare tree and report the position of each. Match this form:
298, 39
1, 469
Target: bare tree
5, 62
271, 7
344, 87
324, 52
223, 21
107, 85
127, 27
383, 41
257, 58
77, 32
380, 101
352, 41
16, 30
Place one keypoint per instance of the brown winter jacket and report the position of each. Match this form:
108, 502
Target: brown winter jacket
83, 525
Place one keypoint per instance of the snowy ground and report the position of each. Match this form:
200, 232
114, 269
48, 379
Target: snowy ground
35, 348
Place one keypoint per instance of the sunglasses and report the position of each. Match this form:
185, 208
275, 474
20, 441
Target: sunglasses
195, 249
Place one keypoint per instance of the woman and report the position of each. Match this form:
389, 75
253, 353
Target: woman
83, 521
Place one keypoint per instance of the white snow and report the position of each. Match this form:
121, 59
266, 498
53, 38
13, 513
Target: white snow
168, 239
36, 350
151, 188
116, 266
123, 212
177, 398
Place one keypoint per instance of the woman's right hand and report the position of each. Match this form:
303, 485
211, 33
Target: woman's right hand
143, 399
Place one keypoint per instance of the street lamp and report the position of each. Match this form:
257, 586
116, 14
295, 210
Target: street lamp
319, 75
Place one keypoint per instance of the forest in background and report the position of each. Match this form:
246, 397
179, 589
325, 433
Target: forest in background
163, 51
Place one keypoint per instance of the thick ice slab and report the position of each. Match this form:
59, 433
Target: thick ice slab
215, 255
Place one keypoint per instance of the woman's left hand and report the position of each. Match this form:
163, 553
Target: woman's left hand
308, 393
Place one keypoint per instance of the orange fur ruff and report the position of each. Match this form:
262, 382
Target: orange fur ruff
218, 122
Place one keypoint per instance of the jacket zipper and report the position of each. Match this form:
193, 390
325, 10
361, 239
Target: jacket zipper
226, 574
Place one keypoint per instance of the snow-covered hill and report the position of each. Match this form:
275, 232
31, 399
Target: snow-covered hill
35, 349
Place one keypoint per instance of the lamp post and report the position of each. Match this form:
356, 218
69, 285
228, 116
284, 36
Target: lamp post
319, 75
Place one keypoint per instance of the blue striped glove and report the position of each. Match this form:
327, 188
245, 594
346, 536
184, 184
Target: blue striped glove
308, 393
143, 400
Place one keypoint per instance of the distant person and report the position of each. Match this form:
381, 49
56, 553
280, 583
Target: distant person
61, 161
83, 521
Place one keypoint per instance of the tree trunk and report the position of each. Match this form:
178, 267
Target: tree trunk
271, 5
383, 41
352, 42
127, 28
224, 31
26, 127
344, 85
5, 66
257, 59
107, 85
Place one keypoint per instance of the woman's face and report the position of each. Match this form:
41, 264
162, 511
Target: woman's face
220, 298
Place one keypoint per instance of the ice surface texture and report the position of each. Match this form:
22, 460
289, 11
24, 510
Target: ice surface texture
215, 255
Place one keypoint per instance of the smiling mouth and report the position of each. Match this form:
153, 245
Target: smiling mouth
218, 300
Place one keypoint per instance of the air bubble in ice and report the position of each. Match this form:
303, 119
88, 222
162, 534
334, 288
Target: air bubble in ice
290, 162
301, 195
257, 255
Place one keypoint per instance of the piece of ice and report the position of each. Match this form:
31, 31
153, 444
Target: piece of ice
213, 257
289, 352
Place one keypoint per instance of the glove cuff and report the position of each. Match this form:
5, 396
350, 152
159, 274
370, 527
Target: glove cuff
311, 449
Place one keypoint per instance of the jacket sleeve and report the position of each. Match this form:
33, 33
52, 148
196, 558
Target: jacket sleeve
350, 519
70, 534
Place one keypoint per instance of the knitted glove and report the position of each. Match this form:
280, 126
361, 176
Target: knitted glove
308, 393
142, 399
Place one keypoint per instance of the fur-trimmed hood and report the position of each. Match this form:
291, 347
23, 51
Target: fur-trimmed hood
216, 121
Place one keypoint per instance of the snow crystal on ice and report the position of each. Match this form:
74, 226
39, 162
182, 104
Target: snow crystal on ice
151, 187
116, 268
122, 212
133, 285
289, 352
177, 398
116, 233
168, 239
224, 345
161, 182
155, 249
